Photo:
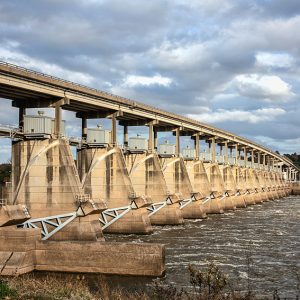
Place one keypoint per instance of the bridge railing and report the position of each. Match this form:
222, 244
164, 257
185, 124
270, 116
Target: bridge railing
9, 130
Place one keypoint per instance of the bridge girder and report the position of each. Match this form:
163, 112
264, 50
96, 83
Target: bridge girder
21, 84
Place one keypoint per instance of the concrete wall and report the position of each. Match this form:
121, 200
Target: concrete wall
22, 251
106, 258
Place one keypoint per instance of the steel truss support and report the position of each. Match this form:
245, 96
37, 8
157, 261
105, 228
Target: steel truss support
208, 199
186, 202
49, 225
224, 196
155, 207
111, 215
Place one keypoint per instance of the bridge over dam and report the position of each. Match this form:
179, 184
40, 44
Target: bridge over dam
57, 210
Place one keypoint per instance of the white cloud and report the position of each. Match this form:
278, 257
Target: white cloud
285, 145
270, 88
133, 81
274, 60
181, 57
254, 116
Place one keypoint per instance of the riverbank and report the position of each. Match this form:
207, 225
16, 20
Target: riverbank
206, 283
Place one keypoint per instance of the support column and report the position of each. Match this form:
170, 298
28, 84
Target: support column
197, 146
264, 161
272, 164
155, 138
294, 177
125, 135
177, 131
252, 159
236, 155
58, 120
213, 149
245, 157
114, 130
84, 127
225, 153
258, 159
150, 140
22, 112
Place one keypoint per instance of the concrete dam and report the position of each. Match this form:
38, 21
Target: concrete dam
57, 208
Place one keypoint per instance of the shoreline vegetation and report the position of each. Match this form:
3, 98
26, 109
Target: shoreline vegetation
208, 283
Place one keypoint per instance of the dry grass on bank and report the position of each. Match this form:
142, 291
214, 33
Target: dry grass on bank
60, 287
206, 284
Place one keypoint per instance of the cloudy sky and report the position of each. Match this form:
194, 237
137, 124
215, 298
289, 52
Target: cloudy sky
232, 63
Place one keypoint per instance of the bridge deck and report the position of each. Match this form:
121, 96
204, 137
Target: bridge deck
34, 89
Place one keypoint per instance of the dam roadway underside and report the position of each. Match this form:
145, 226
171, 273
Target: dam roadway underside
55, 209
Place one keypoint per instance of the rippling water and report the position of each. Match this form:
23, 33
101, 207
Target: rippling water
267, 236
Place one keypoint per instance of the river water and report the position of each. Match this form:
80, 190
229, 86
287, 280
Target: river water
257, 246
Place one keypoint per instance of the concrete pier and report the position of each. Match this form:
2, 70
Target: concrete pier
295, 186
148, 179
256, 185
250, 196
240, 186
22, 251
263, 185
45, 179
178, 182
200, 182
230, 187
268, 185
274, 185
217, 204
104, 175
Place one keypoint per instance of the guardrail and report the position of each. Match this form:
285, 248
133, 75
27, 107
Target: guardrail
10, 130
